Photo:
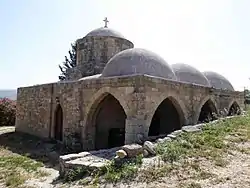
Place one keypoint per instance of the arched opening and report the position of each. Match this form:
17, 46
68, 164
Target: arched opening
208, 112
166, 119
58, 128
234, 110
109, 123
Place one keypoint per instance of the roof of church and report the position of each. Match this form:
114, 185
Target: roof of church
187, 73
104, 32
138, 61
218, 81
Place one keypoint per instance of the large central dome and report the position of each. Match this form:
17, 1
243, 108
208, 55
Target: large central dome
138, 61
104, 32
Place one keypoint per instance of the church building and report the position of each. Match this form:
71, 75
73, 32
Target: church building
118, 94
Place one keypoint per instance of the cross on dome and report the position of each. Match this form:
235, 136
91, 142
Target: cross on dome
106, 22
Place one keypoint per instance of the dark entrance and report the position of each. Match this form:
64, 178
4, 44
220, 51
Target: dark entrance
165, 120
116, 137
234, 110
58, 131
208, 112
110, 120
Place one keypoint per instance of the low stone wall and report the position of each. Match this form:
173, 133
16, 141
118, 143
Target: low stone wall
94, 160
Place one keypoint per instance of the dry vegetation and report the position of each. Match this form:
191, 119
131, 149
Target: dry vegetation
217, 157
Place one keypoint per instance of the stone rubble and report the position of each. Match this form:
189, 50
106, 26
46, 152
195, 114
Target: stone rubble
97, 159
150, 147
133, 150
177, 133
121, 153
190, 129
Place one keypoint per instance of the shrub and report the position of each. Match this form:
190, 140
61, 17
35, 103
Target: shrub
7, 112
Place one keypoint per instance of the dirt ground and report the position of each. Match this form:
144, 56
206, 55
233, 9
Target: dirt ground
231, 172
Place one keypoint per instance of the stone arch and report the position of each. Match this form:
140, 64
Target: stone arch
58, 123
234, 109
207, 111
167, 117
98, 96
105, 123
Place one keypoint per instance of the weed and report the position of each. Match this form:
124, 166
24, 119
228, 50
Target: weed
15, 169
14, 180
193, 185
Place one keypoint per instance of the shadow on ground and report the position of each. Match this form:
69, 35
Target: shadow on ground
47, 152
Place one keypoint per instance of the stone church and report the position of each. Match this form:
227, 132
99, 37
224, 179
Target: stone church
118, 94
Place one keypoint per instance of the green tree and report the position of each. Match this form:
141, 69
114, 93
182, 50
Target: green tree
68, 63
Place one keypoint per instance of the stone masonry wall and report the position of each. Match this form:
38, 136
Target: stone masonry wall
138, 95
123, 89
188, 99
34, 110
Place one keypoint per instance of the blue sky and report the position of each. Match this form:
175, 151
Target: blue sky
207, 34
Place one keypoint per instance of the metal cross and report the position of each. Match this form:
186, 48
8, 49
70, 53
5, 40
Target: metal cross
106, 22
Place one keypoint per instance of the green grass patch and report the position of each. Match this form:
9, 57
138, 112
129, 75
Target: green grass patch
193, 185
16, 169
124, 170
112, 172
210, 143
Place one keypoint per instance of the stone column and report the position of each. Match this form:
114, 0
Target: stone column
134, 128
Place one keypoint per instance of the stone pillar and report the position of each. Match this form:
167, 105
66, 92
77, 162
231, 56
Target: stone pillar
134, 128
136, 121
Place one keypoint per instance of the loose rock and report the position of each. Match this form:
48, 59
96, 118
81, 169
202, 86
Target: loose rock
159, 141
121, 153
166, 139
133, 150
140, 138
199, 126
172, 136
191, 129
145, 153
150, 147
176, 133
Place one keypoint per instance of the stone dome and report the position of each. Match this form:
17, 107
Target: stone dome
218, 81
138, 61
187, 73
104, 32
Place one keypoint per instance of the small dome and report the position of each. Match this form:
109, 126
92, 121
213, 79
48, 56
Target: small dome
187, 73
218, 81
104, 32
138, 61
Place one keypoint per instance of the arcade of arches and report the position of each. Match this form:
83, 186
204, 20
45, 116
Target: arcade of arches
109, 119
108, 122
165, 119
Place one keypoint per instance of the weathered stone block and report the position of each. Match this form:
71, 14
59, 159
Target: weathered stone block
133, 150
150, 147
176, 133
191, 129
121, 153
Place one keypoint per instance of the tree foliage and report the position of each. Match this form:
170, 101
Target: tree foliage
69, 62
7, 112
